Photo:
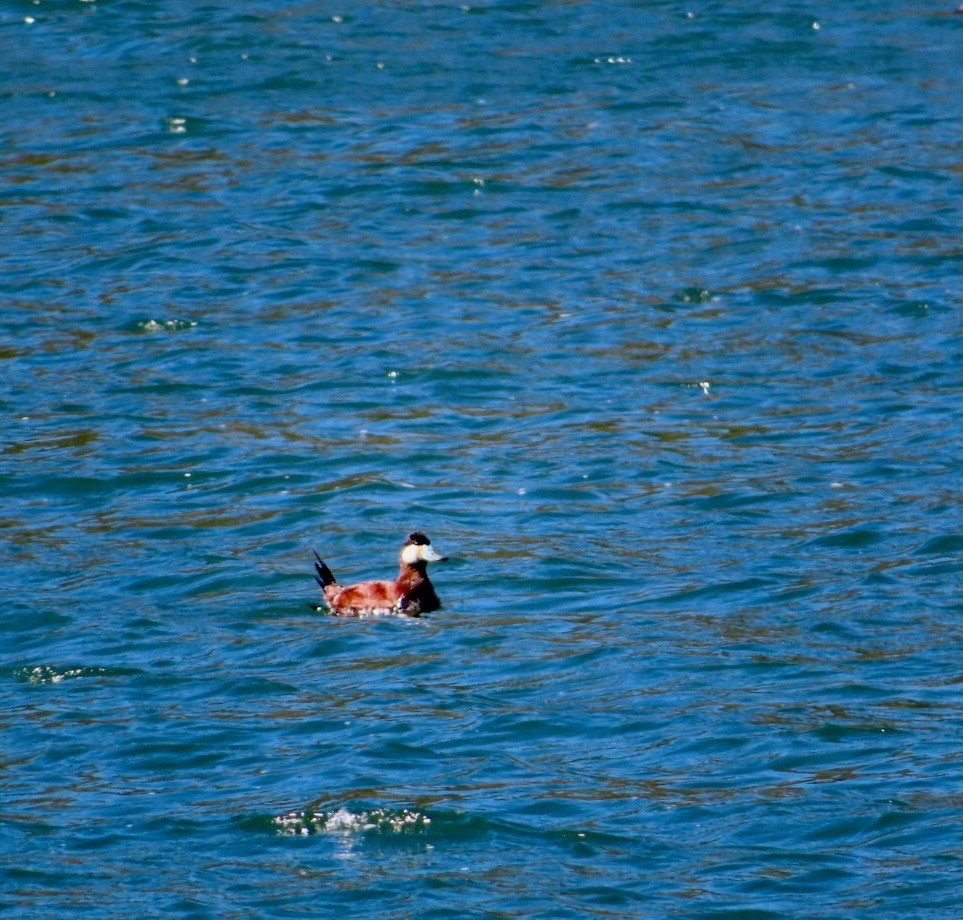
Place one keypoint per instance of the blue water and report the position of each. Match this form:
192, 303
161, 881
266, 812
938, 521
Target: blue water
647, 313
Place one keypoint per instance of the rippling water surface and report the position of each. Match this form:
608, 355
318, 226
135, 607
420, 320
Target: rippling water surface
648, 313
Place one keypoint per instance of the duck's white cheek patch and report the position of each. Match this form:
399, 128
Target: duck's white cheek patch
411, 554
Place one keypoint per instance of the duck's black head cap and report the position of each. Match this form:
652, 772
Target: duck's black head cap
417, 538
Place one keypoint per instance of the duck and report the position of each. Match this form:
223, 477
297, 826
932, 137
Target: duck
410, 594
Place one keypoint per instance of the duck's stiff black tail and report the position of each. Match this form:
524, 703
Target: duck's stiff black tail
324, 576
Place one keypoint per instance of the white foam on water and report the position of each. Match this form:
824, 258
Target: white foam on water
345, 822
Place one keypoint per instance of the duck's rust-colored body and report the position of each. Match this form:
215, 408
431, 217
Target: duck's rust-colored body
410, 594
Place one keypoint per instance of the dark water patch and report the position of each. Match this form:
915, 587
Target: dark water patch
935, 570
948, 545
856, 538
717, 590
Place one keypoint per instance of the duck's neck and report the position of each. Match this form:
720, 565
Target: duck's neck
412, 574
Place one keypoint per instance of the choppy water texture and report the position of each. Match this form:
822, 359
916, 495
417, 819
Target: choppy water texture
647, 313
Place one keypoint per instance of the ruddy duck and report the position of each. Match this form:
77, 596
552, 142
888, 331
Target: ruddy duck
410, 594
